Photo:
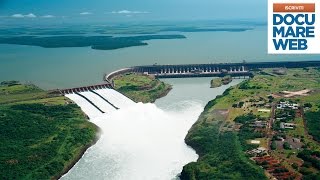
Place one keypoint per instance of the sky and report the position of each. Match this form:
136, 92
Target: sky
131, 10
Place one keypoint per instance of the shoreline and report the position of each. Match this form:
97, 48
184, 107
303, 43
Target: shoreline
81, 154
164, 94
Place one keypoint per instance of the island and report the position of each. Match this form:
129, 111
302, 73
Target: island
43, 134
95, 42
140, 87
265, 127
217, 82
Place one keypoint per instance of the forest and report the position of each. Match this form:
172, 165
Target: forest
313, 122
40, 140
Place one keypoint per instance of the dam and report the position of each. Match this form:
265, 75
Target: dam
105, 93
209, 70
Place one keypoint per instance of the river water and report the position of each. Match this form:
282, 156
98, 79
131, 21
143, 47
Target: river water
145, 141
71, 67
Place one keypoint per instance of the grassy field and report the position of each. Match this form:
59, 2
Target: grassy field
42, 135
141, 88
251, 96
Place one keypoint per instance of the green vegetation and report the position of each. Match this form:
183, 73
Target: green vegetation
286, 146
20, 92
95, 42
273, 145
247, 132
313, 124
42, 134
9, 83
247, 118
311, 156
245, 103
141, 88
217, 82
221, 155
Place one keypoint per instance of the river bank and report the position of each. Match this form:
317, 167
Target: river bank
53, 132
80, 155
231, 127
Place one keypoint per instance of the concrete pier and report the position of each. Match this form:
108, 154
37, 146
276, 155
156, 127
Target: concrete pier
85, 88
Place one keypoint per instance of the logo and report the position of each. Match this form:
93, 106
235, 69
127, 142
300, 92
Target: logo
293, 27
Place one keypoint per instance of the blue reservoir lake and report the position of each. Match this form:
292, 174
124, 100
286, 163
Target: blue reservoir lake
52, 68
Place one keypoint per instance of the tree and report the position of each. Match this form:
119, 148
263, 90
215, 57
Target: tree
286, 145
307, 105
273, 145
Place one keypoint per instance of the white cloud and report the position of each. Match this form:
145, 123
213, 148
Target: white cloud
47, 16
124, 12
85, 13
18, 16
129, 12
31, 15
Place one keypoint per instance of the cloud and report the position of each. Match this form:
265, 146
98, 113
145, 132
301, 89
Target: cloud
18, 16
85, 13
30, 15
48, 16
129, 12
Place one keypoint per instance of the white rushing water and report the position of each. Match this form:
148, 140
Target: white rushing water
142, 141
116, 98
86, 107
139, 141
98, 101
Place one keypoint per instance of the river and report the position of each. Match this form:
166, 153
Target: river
146, 141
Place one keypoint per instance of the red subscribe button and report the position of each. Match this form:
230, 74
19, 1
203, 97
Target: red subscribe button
294, 7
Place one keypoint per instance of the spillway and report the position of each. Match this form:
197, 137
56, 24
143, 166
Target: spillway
115, 98
98, 101
85, 106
